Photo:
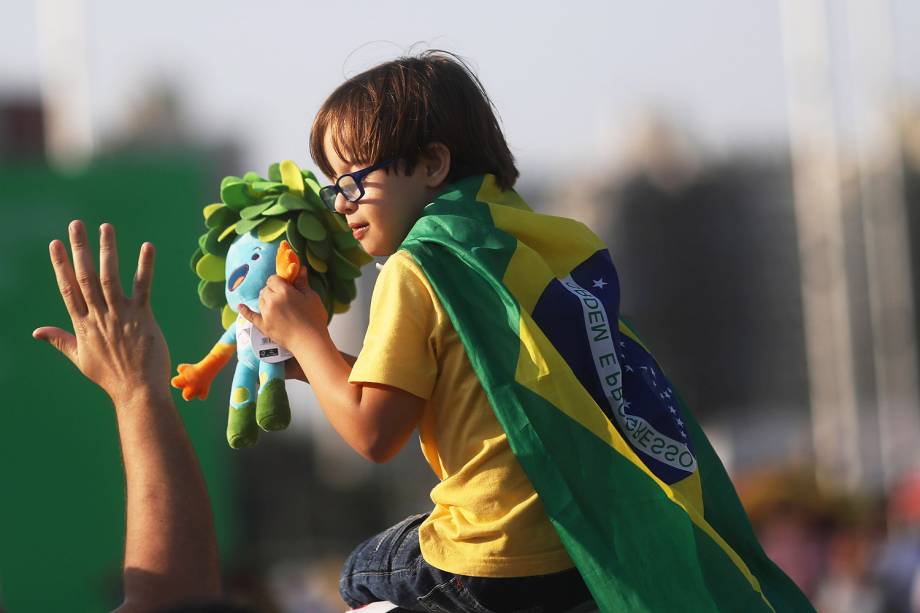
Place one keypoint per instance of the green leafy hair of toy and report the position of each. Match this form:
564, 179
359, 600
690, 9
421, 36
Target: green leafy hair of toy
284, 205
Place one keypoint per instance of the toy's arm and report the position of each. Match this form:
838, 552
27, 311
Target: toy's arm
195, 379
287, 264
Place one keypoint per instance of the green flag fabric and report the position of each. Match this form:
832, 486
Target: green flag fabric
638, 496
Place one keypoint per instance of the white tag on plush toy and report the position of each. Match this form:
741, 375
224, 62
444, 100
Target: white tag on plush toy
268, 350
243, 334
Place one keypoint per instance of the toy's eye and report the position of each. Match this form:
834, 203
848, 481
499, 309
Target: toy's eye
255, 256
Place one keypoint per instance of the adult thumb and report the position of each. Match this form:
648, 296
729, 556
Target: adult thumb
62, 340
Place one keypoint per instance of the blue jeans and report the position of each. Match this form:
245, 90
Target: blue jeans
389, 566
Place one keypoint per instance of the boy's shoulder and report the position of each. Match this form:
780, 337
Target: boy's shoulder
401, 269
402, 263
399, 264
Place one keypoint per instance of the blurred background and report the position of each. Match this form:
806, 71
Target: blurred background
754, 168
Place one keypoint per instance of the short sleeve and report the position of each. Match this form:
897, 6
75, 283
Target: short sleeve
399, 345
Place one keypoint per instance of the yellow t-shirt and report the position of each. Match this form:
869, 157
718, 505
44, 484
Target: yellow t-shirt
487, 520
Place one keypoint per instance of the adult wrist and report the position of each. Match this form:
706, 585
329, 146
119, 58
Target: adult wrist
141, 396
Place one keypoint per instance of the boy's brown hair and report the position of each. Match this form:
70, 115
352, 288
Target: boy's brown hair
396, 109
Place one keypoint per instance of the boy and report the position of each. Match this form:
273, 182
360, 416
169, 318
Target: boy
493, 330
488, 532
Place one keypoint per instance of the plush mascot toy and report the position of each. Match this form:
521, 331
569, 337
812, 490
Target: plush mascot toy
263, 227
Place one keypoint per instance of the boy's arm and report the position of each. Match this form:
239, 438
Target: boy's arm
293, 370
375, 420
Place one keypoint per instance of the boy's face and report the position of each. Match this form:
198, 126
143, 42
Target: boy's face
391, 205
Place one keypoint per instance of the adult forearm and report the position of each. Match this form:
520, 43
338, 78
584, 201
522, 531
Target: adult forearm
170, 547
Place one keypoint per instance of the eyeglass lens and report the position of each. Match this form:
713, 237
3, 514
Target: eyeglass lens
349, 188
328, 194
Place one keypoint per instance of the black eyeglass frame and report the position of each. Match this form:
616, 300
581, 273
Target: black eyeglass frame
329, 193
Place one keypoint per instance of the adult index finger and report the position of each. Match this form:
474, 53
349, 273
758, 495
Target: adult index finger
108, 266
67, 281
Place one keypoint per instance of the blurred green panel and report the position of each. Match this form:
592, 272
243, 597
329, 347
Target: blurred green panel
61, 482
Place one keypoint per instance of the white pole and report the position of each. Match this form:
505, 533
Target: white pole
64, 82
818, 203
881, 183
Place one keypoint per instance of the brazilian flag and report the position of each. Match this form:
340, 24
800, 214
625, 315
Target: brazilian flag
638, 496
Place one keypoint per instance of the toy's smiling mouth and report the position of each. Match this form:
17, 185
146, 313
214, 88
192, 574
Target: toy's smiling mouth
237, 277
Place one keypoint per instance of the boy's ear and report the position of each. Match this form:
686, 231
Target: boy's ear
436, 164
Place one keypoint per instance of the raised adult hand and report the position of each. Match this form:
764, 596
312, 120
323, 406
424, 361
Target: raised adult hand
116, 342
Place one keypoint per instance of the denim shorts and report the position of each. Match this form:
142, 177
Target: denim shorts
390, 566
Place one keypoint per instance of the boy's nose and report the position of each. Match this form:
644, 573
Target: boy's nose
343, 206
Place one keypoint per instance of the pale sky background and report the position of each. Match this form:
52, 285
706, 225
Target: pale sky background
569, 78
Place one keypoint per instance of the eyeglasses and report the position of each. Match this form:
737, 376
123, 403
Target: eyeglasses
349, 185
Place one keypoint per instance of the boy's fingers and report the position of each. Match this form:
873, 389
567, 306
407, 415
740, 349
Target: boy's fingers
67, 281
300, 283
143, 278
62, 340
275, 283
250, 316
83, 267
108, 265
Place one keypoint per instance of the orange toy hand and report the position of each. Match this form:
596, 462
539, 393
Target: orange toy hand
287, 264
192, 381
195, 379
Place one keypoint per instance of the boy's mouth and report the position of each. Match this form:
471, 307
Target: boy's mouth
359, 229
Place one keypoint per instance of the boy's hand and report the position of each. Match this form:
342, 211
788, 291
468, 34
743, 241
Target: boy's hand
117, 343
287, 311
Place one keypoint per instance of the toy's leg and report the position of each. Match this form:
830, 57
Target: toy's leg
241, 425
273, 412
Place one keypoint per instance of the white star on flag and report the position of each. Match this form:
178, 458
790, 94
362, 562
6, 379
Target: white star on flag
629, 368
600, 283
